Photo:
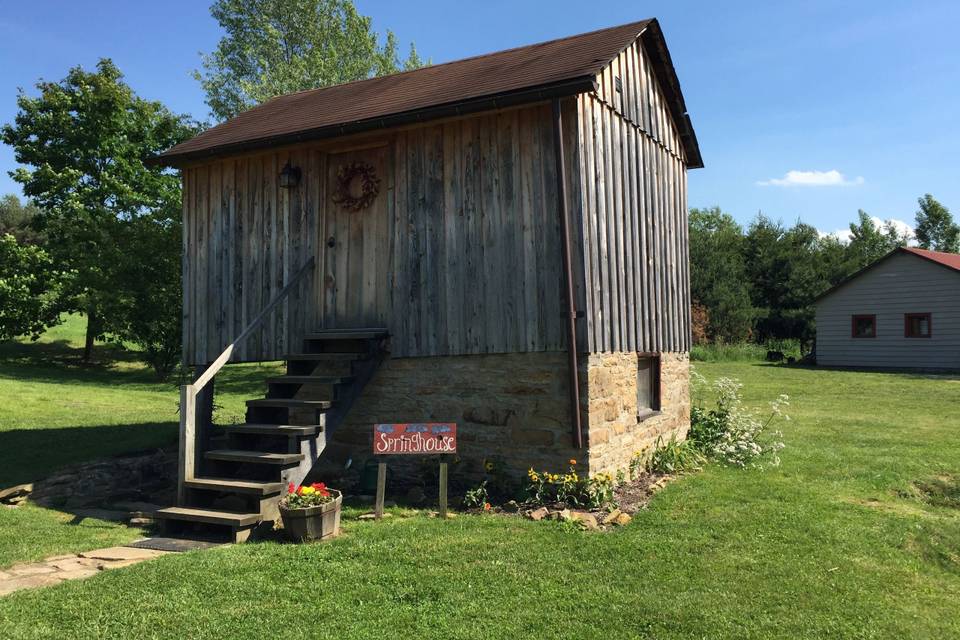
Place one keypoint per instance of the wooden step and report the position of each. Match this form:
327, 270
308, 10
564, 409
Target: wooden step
209, 516
235, 486
290, 403
275, 429
348, 334
310, 380
262, 457
329, 357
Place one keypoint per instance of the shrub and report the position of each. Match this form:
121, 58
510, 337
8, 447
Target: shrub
477, 497
570, 488
743, 351
674, 456
730, 433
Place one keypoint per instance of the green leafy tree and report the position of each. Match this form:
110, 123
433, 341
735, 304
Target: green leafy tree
29, 289
273, 47
869, 243
785, 274
718, 274
82, 142
18, 220
935, 226
147, 308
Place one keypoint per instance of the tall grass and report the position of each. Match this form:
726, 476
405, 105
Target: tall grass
743, 351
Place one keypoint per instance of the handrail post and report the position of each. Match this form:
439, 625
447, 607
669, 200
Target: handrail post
187, 451
196, 416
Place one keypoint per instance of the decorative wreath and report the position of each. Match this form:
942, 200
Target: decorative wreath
344, 194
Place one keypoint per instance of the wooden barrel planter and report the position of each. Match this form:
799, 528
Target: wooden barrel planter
313, 523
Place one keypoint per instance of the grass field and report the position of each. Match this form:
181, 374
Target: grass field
837, 542
57, 411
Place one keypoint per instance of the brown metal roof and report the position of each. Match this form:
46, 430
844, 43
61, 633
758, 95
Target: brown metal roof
524, 74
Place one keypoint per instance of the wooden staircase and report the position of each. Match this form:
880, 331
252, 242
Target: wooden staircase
240, 476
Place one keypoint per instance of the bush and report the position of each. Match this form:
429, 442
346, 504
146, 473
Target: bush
674, 457
743, 351
570, 488
730, 433
477, 498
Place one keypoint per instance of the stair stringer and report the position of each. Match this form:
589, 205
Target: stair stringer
363, 371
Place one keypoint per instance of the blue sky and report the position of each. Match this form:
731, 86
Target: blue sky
866, 90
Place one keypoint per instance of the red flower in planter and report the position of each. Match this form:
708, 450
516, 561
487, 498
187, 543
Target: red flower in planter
321, 489
291, 488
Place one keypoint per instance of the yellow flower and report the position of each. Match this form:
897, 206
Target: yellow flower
307, 491
573, 462
488, 465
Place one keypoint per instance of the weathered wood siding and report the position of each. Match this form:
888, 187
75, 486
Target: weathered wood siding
899, 285
243, 238
634, 194
459, 254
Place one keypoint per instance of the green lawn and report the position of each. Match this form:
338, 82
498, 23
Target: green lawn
835, 543
57, 411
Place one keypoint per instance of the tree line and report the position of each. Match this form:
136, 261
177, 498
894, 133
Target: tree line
759, 283
100, 232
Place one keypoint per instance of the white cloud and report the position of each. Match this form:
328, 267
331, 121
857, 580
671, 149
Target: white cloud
794, 178
844, 235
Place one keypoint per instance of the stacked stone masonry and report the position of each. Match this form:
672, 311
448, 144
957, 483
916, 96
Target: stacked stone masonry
617, 430
514, 408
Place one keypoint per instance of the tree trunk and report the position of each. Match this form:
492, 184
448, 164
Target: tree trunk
93, 328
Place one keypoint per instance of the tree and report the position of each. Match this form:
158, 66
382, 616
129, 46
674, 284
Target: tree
18, 220
935, 226
147, 308
785, 274
82, 141
29, 289
718, 274
868, 243
273, 47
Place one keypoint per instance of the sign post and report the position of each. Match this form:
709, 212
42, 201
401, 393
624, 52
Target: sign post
443, 490
426, 438
381, 489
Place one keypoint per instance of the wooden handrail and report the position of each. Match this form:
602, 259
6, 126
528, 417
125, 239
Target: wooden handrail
188, 392
224, 357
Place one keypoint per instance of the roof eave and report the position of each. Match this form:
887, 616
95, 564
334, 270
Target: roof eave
463, 107
656, 45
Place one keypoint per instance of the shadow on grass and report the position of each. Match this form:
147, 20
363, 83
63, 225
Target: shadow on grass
28, 455
60, 362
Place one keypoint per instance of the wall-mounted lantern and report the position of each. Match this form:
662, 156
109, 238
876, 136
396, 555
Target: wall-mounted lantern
289, 176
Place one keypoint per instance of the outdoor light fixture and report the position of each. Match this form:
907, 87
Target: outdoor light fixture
289, 176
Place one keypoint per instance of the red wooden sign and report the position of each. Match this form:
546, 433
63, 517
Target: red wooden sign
415, 438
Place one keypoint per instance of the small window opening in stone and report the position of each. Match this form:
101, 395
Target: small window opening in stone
648, 385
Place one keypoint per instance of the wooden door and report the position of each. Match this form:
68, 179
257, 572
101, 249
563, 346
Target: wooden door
356, 239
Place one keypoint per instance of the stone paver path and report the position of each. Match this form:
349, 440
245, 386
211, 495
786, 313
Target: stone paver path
70, 567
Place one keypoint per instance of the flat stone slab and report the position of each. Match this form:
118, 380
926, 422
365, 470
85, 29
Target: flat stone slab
32, 570
56, 569
27, 582
122, 553
177, 545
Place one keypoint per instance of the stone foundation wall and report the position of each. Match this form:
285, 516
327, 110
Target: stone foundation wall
509, 408
616, 432
513, 409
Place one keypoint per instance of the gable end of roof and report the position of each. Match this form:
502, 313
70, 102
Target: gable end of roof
949, 261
